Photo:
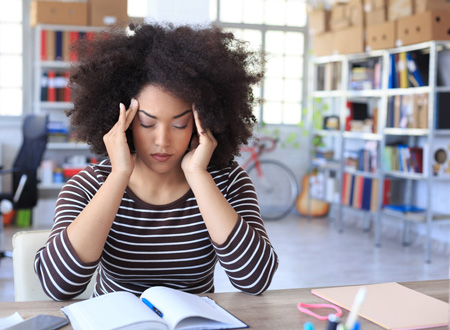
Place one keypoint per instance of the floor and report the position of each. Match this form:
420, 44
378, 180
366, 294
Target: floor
313, 253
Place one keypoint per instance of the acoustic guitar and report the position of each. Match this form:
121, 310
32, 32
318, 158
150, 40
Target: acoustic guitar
318, 208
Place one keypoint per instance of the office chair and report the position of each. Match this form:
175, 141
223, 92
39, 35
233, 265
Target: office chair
24, 193
26, 283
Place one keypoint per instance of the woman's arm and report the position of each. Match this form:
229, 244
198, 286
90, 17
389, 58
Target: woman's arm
233, 222
88, 232
85, 211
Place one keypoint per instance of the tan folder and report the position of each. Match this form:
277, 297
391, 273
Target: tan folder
391, 305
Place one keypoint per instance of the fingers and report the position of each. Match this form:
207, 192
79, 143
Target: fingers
132, 110
203, 132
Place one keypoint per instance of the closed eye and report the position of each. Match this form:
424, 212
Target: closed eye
146, 126
180, 127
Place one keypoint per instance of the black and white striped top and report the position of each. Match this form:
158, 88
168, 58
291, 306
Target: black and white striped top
151, 245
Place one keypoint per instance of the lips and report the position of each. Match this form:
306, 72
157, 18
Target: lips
161, 157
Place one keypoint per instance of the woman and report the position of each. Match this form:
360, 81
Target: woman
169, 107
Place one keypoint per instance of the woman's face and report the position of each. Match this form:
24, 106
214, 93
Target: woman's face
162, 129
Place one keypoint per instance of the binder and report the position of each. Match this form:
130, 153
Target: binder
73, 38
414, 70
58, 45
402, 70
51, 45
51, 88
43, 45
392, 73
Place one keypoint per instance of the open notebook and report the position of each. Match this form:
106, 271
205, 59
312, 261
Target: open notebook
391, 305
157, 308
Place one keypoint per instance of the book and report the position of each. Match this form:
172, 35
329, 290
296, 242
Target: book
391, 305
157, 308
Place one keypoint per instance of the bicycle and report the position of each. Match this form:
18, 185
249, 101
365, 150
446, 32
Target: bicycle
275, 184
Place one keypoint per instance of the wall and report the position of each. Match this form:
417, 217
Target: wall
197, 11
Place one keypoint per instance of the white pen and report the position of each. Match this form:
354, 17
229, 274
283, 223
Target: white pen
359, 299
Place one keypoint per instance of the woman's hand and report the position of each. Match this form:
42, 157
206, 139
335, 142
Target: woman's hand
116, 141
201, 148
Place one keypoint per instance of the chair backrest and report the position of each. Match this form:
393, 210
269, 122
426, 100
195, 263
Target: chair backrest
29, 157
26, 283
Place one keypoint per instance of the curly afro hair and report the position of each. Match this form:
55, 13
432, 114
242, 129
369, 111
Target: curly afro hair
206, 66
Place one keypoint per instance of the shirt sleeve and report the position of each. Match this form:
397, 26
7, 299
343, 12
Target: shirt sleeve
247, 255
61, 272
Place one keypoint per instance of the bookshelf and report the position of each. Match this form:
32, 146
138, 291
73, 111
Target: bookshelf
393, 133
52, 59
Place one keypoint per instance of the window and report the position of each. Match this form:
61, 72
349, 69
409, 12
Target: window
11, 59
279, 27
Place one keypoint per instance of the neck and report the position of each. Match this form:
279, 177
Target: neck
157, 188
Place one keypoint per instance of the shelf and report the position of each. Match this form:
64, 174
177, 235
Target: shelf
442, 132
361, 173
56, 105
67, 146
327, 132
50, 186
366, 93
326, 164
405, 131
329, 94
443, 89
362, 136
55, 65
406, 175
416, 216
408, 91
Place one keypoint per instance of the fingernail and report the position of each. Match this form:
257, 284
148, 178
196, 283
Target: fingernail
133, 102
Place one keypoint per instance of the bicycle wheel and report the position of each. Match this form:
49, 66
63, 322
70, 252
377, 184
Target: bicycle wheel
277, 188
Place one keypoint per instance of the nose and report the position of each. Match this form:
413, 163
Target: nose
162, 138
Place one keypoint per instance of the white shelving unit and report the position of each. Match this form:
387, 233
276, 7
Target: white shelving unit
56, 151
424, 137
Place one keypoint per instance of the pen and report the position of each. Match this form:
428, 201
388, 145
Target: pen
333, 321
359, 299
152, 307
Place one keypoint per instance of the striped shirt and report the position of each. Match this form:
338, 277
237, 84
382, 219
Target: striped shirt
151, 245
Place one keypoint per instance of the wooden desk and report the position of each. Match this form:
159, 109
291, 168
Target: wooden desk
275, 309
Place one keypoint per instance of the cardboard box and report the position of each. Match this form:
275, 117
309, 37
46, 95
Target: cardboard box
376, 17
356, 14
319, 21
339, 17
381, 36
106, 12
58, 12
372, 5
421, 6
431, 25
400, 8
350, 40
323, 44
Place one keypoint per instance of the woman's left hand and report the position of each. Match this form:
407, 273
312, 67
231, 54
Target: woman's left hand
201, 148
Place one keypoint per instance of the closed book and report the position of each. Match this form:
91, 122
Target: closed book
66, 46
352, 190
366, 195
66, 87
73, 39
43, 45
58, 45
51, 88
374, 196
51, 45
44, 86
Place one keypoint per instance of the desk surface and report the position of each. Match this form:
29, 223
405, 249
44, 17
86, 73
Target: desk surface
275, 309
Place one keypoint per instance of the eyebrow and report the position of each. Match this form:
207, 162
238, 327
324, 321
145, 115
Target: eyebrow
174, 117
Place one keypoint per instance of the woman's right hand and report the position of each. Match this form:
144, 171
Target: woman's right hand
116, 141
